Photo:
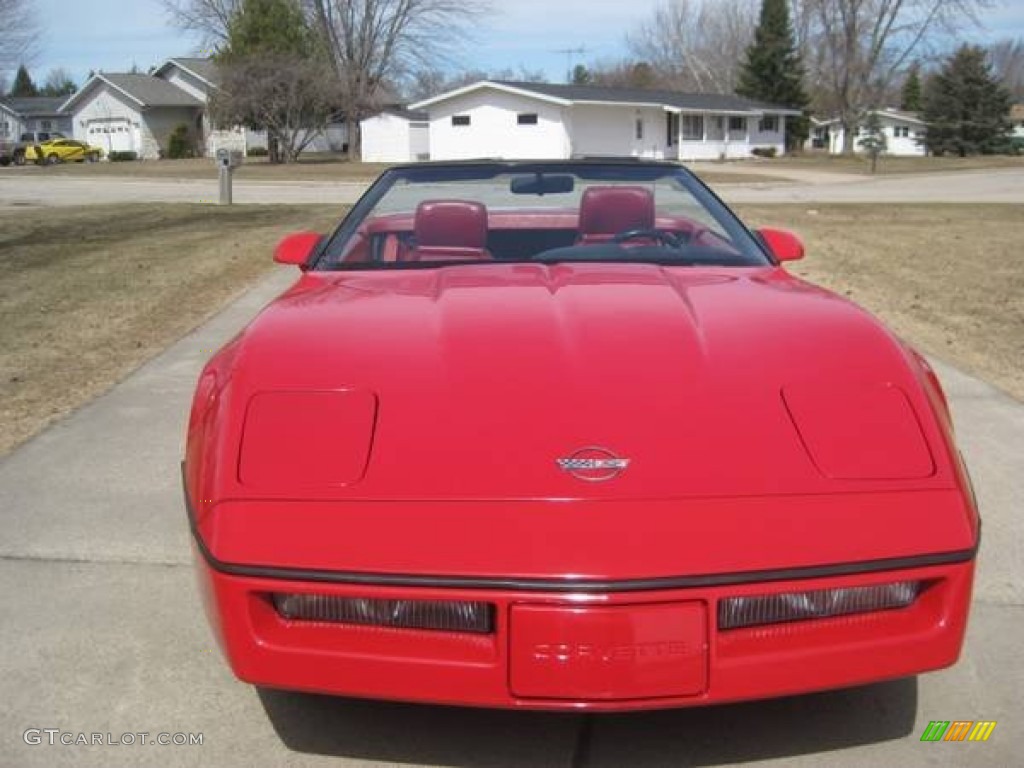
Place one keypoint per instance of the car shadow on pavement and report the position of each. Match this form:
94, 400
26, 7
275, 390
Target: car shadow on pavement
452, 736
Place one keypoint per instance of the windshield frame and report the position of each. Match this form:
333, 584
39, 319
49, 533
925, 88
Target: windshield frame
622, 170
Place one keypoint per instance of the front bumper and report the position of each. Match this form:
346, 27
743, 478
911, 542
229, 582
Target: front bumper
541, 653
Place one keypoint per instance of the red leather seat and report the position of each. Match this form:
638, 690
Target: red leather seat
608, 211
450, 230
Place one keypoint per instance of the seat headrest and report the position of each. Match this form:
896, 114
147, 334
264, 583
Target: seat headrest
607, 211
450, 223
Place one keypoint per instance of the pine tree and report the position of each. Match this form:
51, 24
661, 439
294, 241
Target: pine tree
581, 75
773, 70
268, 27
23, 85
873, 141
965, 108
910, 96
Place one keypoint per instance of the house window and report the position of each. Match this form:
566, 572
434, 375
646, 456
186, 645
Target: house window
45, 125
5, 129
460, 120
768, 124
527, 118
693, 127
737, 125
639, 128
901, 131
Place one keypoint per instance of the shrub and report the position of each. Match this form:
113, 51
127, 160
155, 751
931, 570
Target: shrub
179, 146
122, 156
764, 151
257, 152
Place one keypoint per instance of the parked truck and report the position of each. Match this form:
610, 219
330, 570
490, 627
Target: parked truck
14, 151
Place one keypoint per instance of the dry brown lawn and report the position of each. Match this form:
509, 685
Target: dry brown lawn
313, 167
948, 278
859, 164
87, 296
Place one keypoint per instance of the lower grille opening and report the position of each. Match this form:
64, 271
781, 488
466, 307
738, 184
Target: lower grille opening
737, 612
440, 615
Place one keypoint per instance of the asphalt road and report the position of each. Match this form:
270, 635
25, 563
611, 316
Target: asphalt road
102, 630
38, 189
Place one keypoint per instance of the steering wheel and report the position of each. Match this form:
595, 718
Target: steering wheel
662, 236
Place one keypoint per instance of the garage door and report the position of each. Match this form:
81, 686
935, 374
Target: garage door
112, 135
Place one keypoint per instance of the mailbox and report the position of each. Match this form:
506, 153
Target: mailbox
229, 158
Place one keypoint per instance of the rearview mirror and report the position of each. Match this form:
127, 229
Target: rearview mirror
784, 245
542, 184
297, 248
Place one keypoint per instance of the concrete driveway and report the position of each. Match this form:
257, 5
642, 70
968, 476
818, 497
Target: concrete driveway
102, 630
999, 186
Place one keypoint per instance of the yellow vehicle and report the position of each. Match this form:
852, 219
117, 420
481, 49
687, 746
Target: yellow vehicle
62, 151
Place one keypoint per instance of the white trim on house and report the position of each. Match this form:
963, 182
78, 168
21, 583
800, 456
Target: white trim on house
421, 105
67, 106
159, 71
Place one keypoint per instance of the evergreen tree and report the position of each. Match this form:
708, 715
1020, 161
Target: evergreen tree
23, 85
58, 83
910, 97
773, 70
268, 28
873, 140
581, 75
965, 108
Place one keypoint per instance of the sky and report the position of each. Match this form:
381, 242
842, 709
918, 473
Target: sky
115, 34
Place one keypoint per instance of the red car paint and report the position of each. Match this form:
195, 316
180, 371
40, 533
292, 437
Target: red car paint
397, 434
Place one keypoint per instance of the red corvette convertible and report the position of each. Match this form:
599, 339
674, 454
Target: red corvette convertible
565, 435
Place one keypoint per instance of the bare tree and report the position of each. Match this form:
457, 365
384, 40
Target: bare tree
623, 73
696, 45
865, 45
374, 42
207, 18
19, 33
286, 95
1007, 58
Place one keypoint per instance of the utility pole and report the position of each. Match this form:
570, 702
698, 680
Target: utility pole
569, 53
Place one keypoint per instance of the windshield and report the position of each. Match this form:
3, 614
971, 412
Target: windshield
436, 215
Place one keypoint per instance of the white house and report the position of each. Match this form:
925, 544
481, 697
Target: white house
42, 114
395, 135
1017, 120
903, 132
515, 120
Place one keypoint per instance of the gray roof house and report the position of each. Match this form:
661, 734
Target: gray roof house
20, 114
518, 120
131, 112
138, 112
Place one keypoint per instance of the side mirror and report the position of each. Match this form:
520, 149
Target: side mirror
297, 248
784, 245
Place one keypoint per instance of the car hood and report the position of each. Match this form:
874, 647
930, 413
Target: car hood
474, 381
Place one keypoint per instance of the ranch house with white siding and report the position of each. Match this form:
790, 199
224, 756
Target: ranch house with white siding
516, 120
904, 134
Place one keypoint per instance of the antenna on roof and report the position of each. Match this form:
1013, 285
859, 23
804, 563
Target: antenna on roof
569, 53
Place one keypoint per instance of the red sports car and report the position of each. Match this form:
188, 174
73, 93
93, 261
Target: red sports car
566, 435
